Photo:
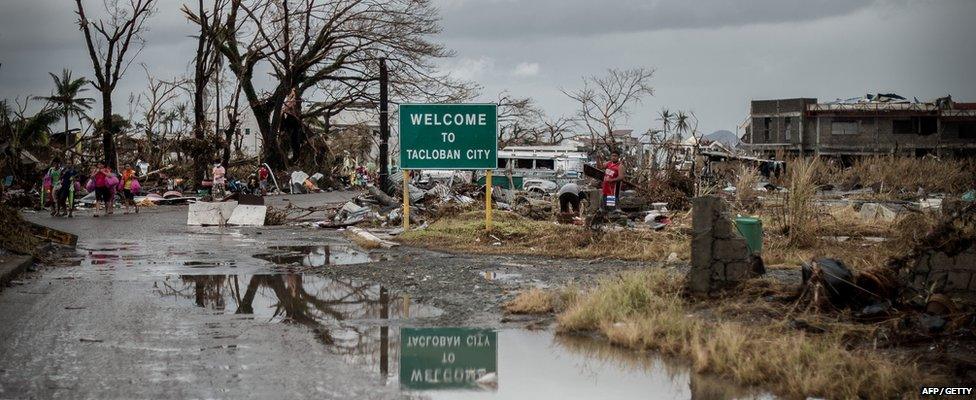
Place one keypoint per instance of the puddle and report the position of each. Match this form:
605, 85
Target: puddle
316, 256
362, 323
349, 316
538, 364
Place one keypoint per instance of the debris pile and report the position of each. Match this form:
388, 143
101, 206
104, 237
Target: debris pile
15, 235
944, 262
931, 289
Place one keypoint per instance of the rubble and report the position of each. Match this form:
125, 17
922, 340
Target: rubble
944, 262
876, 211
534, 208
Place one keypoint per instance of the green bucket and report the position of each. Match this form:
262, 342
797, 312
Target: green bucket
751, 229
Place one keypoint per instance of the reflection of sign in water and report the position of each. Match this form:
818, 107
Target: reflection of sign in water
446, 358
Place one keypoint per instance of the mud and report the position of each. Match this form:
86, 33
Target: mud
470, 288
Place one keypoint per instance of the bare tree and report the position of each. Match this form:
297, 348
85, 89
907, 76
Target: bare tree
232, 133
605, 101
517, 120
206, 61
305, 43
689, 124
109, 43
555, 130
152, 105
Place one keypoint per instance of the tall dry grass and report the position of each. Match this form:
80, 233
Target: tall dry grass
802, 229
902, 176
796, 212
645, 310
746, 195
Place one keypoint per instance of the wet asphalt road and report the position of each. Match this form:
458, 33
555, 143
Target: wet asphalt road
124, 321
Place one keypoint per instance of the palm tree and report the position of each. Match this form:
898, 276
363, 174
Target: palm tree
25, 132
66, 96
667, 120
681, 124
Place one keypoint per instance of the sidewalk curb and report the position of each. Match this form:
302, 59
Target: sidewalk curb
10, 269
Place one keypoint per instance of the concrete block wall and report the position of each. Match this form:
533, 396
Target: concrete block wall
720, 258
945, 261
938, 272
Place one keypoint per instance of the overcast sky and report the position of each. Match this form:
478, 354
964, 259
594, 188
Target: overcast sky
710, 56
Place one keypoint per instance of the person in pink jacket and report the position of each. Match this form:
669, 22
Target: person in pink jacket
100, 182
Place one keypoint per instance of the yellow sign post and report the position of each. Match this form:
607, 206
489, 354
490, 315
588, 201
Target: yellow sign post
488, 185
406, 201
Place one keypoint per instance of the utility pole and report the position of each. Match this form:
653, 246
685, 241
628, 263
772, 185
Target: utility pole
384, 127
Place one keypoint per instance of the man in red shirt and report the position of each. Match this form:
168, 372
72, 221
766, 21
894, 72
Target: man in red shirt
612, 174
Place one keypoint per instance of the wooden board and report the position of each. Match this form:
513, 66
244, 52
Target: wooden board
53, 235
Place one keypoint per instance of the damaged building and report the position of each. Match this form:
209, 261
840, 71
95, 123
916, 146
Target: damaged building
873, 124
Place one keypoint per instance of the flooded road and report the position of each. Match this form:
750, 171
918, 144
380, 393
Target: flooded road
230, 313
362, 323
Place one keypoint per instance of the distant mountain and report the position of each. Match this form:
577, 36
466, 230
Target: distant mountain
723, 136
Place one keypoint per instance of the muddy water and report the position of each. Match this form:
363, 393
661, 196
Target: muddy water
316, 256
344, 314
361, 323
537, 365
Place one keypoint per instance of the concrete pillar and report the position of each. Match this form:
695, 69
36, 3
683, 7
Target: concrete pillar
720, 258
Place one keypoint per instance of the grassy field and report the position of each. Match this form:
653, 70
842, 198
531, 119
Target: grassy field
513, 234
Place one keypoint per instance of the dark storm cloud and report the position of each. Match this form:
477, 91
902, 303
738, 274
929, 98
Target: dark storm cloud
41, 36
712, 56
53, 24
506, 18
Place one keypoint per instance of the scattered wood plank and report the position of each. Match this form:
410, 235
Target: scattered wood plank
52, 235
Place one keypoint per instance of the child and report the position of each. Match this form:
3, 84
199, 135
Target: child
52, 181
129, 186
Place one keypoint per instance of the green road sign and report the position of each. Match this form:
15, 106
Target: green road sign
446, 358
448, 136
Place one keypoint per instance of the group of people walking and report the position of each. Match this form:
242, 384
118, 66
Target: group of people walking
61, 183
